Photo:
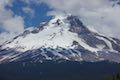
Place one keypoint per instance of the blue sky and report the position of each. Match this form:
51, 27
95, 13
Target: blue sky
40, 12
17, 15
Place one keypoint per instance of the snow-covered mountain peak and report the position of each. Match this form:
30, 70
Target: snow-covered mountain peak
61, 31
58, 17
63, 37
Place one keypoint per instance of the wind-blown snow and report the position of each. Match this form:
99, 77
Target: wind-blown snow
107, 42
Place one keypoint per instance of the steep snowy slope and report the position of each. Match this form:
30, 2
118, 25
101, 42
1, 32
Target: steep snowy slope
64, 37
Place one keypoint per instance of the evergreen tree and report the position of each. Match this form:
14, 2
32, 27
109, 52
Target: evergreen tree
118, 76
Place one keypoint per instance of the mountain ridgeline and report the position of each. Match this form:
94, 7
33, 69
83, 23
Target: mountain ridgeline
62, 38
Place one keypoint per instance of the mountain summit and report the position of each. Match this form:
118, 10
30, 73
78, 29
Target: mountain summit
62, 38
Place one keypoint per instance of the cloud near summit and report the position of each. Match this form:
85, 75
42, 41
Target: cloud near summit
102, 15
10, 24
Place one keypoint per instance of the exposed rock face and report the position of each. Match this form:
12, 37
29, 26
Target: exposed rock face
77, 26
65, 38
35, 31
93, 41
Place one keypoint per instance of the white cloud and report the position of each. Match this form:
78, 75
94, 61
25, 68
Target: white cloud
5, 14
32, 1
13, 25
6, 37
99, 14
29, 11
75, 5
